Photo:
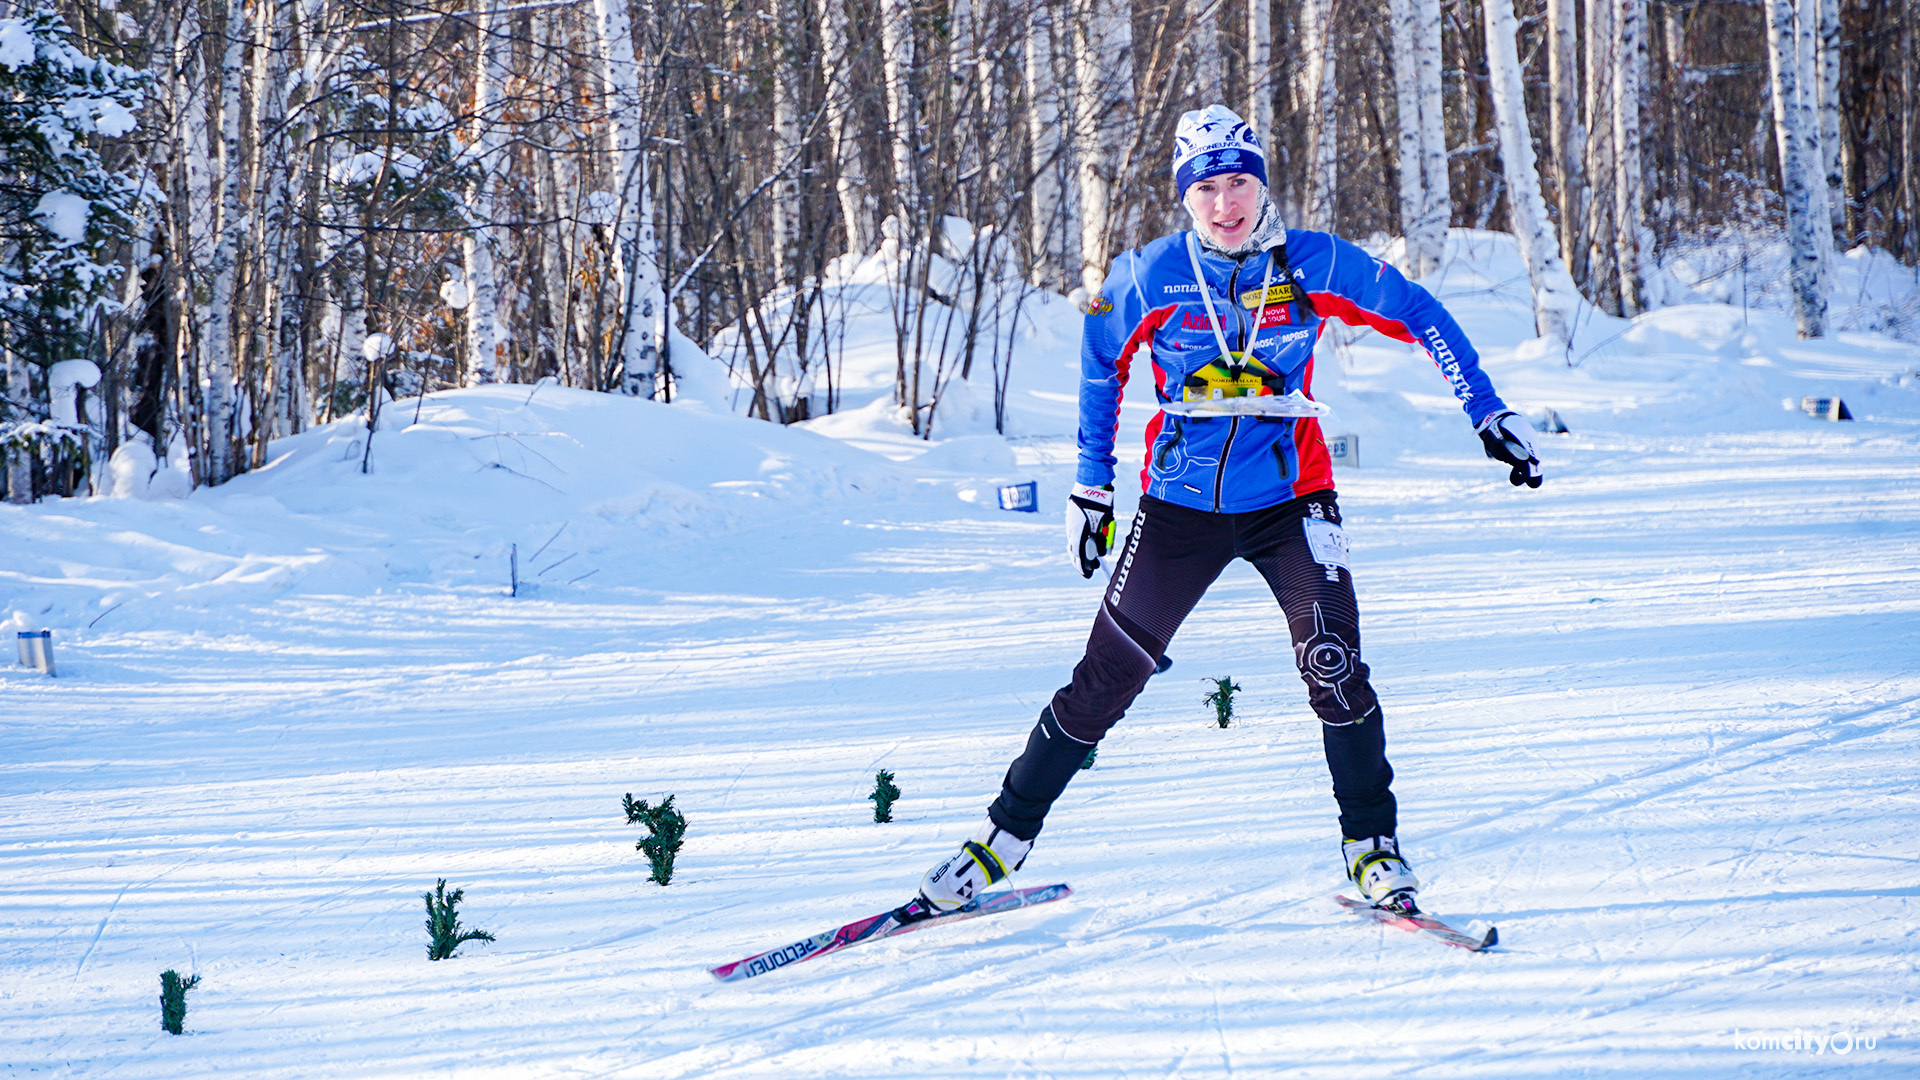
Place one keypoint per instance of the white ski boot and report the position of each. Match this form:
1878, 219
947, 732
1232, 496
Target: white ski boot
985, 860
1382, 876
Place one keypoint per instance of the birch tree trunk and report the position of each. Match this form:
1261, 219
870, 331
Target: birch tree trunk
637, 261
1209, 66
1421, 243
1797, 171
1632, 240
1909, 146
1806, 51
484, 332
850, 169
19, 460
1553, 293
786, 143
1323, 174
1431, 226
896, 44
1046, 212
273, 233
1260, 69
1597, 212
1568, 135
217, 358
1828, 62
1103, 103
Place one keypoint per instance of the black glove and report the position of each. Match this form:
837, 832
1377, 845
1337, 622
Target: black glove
1509, 438
1089, 526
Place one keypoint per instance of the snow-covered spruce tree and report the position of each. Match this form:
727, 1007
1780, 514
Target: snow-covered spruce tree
60, 209
885, 792
444, 932
1221, 698
666, 829
173, 999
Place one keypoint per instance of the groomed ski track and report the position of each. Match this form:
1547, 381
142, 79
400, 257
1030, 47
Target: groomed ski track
1657, 720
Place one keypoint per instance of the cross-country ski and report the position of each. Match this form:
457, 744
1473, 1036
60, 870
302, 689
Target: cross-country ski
1422, 923
909, 917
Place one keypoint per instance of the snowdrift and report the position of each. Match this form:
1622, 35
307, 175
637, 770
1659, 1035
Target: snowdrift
1656, 720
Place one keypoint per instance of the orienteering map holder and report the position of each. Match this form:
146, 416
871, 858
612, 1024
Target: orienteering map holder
1289, 404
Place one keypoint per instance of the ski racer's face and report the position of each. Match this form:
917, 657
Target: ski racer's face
1226, 207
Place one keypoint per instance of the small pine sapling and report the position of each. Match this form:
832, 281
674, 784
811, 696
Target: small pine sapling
883, 795
1222, 698
665, 827
173, 999
443, 923
1092, 752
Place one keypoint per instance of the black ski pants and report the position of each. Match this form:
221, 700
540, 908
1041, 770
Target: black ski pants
1171, 556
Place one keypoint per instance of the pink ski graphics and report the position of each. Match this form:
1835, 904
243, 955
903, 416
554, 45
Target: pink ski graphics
1419, 922
874, 927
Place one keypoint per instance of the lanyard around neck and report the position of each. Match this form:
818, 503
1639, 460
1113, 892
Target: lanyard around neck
1213, 318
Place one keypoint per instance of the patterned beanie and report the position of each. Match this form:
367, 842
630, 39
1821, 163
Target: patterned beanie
1213, 141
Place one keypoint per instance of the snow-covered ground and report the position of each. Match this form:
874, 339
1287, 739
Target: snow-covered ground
1656, 720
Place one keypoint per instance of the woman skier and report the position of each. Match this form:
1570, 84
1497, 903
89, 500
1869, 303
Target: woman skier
1236, 467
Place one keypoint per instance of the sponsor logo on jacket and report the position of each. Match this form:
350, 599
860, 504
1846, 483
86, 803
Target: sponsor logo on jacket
1276, 316
1099, 305
1276, 294
1449, 363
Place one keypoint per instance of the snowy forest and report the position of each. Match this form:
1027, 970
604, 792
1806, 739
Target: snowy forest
226, 223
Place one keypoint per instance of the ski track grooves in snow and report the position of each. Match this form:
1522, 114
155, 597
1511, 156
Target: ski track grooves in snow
1655, 720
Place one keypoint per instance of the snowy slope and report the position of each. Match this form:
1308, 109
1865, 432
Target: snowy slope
1657, 720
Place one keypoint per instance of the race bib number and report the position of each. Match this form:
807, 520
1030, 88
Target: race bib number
1327, 541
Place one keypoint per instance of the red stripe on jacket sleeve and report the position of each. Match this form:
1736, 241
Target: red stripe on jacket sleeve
1333, 304
1153, 432
1316, 466
1142, 335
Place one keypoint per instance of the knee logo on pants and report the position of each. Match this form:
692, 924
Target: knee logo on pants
1327, 659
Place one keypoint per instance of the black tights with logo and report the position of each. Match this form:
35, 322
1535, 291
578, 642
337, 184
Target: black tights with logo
1171, 556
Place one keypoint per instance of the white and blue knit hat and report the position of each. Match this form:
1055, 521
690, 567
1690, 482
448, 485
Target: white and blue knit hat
1213, 141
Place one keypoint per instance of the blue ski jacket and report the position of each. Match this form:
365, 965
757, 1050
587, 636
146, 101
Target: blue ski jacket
1229, 464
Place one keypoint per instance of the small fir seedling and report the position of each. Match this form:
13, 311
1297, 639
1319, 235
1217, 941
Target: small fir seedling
665, 827
1222, 699
443, 923
1092, 752
173, 999
883, 795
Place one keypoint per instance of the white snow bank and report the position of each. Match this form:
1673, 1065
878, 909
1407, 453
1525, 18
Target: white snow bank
1656, 720
454, 483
